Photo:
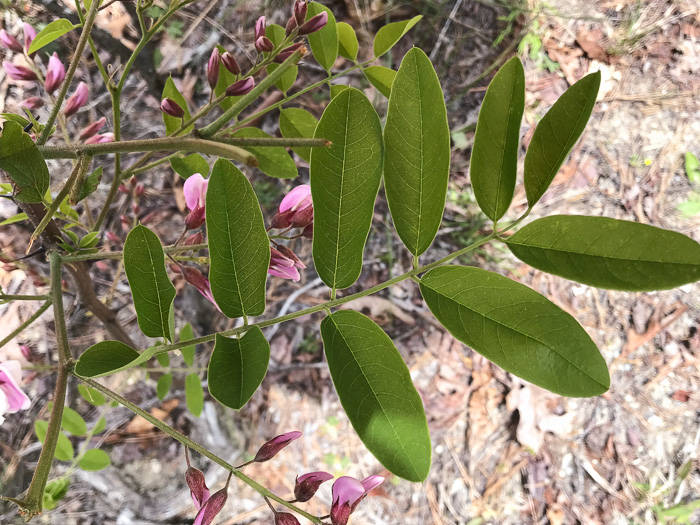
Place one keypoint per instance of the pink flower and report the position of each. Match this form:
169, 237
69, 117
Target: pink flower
10, 42
213, 67
196, 279
347, 494
307, 484
12, 399
32, 103
103, 138
77, 100
314, 24
172, 108
296, 209
29, 36
260, 24
92, 129
270, 449
240, 87
55, 73
16, 72
285, 264
195, 190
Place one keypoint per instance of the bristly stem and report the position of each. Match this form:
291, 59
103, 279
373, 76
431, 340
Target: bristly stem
187, 442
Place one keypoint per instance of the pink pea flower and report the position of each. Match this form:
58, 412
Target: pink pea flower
12, 398
195, 190
16, 72
240, 87
270, 449
55, 73
306, 485
213, 67
92, 129
314, 24
102, 138
296, 209
29, 36
77, 100
347, 494
32, 103
285, 264
285, 518
172, 108
10, 42
196, 279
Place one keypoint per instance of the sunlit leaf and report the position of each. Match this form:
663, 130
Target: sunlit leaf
298, 123
187, 352
163, 385
173, 123
51, 32
381, 78
101, 359
276, 35
273, 161
324, 43
94, 459
347, 41
73, 422
390, 34
194, 394
92, 396
189, 165
25, 166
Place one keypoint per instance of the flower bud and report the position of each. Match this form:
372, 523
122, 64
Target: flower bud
32, 103
92, 129
102, 266
212, 507
140, 189
308, 232
314, 24
264, 44
289, 51
291, 26
270, 449
149, 217
306, 485
285, 518
29, 36
77, 100
126, 222
123, 189
195, 218
230, 63
18, 72
282, 220
196, 238
300, 7
135, 208
260, 28
289, 254
241, 87
55, 73
198, 486
213, 67
133, 181
303, 218
10, 42
172, 108
103, 138
113, 237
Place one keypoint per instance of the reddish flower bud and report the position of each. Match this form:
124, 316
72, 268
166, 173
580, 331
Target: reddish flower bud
241, 87
260, 28
135, 208
101, 139
230, 63
270, 449
211, 508
289, 254
282, 220
308, 232
10, 42
213, 67
102, 266
291, 26
92, 129
133, 181
303, 218
113, 237
196, 279
300, 7
55, 73
314, 24
29, 36
140, 189
77, 100
198, 486
18, 72
175, 268
172, 108
195, 218
196, 238
123, 189
307, 485
32, 103
285, 518
264, 44
126, 222
283, 55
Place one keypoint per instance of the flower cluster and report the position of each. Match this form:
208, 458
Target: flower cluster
347, 492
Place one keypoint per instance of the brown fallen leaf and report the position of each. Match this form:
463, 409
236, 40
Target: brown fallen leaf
591, 41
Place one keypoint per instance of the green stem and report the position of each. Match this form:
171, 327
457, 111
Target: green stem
15, 297
184, 440
26, 323
75, 60
119, 255
274, 142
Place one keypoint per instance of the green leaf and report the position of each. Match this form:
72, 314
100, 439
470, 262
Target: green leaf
556, 135
337, 89
494, 161
90, 240
390, 34
99, 426
153, 293
64, 448
347, 41
344, 185
163, 385
92, 396
689, 208
608, 253
238, 244
51, 32
15, 218
298, 123
417, 158
73, 422
274, 161
173, 123
374, 386
104, 358
324, 43
187, 352
516, 328
692, 168
163, 360
237, 367
24, 165
276, 35
54, 492
381, 78
94, 459
194, 394
189, 165
89, 185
